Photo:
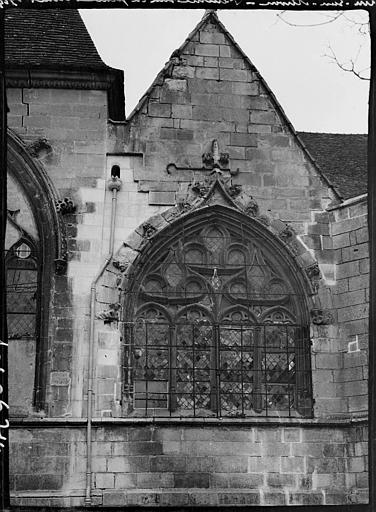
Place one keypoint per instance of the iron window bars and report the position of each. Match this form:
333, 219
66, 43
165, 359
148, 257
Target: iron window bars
201, 370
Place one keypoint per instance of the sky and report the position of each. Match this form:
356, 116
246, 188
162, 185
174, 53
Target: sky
295, 61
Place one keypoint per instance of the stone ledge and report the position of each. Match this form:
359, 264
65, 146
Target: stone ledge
252, 422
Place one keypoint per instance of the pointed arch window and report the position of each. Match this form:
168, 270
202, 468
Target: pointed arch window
216, 325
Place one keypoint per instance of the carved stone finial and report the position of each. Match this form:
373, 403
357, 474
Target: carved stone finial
215, 149
215, 159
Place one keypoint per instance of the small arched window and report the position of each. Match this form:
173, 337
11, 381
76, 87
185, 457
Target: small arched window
216, 324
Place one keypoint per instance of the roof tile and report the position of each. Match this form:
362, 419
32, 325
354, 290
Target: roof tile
49, 39
342, 158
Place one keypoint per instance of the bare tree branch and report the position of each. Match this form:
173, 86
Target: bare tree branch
332, 19
362, 26
350, 67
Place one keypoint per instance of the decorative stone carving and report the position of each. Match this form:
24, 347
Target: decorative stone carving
313, 273
287, 234
264, 219
123, 258
184, 207
148, 230
60, 266
61, 262
39, 146
201, 188
114, 183
121, 265
234, 190
321, 316
65, 206
111, 314
252, 208
224, 159
207, 159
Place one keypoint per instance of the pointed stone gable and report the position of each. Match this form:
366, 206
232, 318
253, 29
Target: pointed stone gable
209, 90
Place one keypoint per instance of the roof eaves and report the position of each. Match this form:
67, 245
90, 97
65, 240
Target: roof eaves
351, 201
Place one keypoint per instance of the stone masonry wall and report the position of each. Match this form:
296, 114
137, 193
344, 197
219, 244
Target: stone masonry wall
208, 91
74, 124
191, 465
351, 296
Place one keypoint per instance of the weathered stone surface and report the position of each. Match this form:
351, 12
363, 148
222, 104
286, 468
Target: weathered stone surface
209, 94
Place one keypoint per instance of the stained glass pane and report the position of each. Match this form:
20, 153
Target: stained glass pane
194, 352
22, 288
152, 364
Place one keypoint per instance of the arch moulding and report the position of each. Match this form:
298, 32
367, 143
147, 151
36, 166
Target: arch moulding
25, 169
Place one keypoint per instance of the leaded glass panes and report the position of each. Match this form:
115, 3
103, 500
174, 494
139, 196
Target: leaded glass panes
22, 286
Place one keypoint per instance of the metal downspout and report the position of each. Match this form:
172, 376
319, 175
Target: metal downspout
114, 186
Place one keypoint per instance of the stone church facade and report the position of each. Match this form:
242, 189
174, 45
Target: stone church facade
187, 289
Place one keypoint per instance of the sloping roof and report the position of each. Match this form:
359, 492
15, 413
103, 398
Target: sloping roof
49, 39
342, 158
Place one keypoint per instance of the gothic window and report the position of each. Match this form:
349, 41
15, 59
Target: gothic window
216, 327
